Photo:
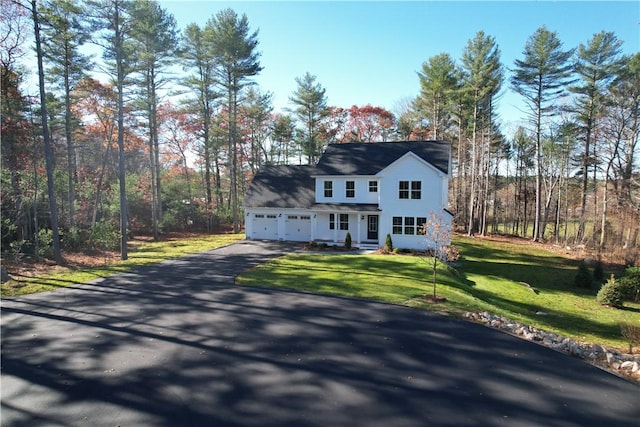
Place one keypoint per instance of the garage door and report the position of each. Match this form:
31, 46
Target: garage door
298, 228
264, 227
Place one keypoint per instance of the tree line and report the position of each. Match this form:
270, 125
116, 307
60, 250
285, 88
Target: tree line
171, 139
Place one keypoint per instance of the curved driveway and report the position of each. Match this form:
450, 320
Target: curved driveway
176, 344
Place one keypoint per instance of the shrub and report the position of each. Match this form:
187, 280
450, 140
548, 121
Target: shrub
45, 242
583, 278
630, 284
598, 272
73, 239
631, 333
347, 241
610, 294
104, 235
388, 243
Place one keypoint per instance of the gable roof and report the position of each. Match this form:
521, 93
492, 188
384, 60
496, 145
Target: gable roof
360, 158
282, 186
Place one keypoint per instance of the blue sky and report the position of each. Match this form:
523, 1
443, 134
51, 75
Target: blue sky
369, 52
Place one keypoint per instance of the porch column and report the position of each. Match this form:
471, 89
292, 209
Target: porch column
336, 226
359, 228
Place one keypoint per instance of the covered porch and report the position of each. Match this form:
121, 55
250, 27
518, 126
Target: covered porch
334, 221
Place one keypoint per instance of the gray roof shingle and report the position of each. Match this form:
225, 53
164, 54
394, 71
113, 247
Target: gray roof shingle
282, 186
370, 158
293, 186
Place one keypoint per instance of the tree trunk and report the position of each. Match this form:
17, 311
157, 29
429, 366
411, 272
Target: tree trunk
121, 155
48, 149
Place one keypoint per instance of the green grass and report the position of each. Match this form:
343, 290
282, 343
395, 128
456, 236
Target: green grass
140, 254
492, 276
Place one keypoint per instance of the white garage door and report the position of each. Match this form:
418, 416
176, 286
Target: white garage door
298, 228
264, 227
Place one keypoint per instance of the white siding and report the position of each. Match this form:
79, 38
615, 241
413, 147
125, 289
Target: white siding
409, 168
339, 183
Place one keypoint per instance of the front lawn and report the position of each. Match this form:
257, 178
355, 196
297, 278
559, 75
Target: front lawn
140, 253
522, 281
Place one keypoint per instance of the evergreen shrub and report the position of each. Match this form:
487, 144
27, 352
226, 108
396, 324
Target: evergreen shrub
598, 272
610, 294
388, 243
583, 278
630, 284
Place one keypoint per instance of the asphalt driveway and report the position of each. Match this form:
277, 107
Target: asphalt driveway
176, 344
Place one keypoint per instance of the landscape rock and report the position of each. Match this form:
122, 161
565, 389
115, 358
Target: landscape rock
627, 365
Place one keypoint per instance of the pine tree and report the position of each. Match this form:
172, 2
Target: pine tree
596, 65
541, 77
310, 108
155, 35
234, 49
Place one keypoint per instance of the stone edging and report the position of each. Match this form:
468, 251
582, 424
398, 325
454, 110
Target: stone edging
624, 365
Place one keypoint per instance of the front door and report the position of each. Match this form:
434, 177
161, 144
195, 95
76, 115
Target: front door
372, 227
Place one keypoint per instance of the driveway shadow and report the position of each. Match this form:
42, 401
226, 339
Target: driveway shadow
177, 344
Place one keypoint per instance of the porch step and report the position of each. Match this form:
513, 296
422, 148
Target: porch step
367, 246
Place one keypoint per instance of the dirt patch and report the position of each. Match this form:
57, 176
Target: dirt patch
28, 266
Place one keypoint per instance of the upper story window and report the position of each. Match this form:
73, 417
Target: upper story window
350, 189
410, 188
416, 189
328, 189
403, 190
373, 186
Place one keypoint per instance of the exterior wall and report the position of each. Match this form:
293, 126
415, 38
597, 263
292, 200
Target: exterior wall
362, 193
285, 229
357, 228
433, 199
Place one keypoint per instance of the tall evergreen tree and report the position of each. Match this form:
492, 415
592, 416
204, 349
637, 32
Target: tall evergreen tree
484, 75
196, 52
48, 147
155, 35
438, 81
64, 34
596, 65
234, 49
283, 134
541, 77
310, 108
256, 118
112, 21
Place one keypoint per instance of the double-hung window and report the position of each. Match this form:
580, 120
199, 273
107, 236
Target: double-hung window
409, 225
350, 189
403, 190
420, 223
332, 221
344, 221
373, 186
397, 225
410, 189
416, 189
328, 189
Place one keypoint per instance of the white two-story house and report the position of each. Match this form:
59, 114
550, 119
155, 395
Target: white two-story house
367, 189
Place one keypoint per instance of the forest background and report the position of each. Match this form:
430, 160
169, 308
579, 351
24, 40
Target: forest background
140, 126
